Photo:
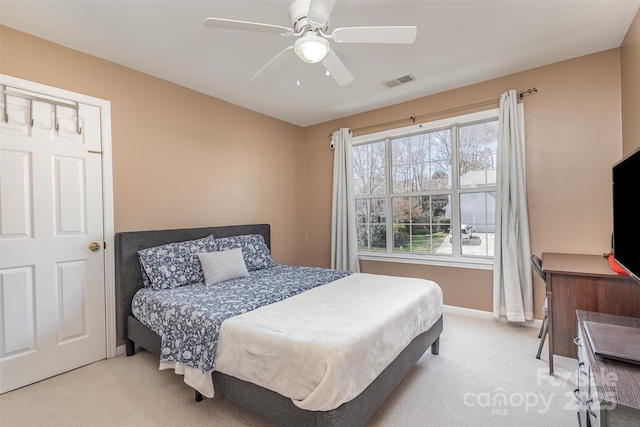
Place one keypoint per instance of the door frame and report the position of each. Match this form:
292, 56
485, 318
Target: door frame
51, 92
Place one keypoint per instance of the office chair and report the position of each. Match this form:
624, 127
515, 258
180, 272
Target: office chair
537, 266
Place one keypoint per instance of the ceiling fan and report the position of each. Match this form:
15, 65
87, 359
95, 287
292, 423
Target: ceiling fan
310, 21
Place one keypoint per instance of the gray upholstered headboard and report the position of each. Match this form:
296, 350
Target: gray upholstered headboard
127, 245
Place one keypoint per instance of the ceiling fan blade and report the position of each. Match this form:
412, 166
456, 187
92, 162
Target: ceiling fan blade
278, 61
337, 69
400, 35
320, 11
232, 24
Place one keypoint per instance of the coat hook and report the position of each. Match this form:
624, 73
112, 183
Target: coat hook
78, 128
4, 104
31, 112
55, 117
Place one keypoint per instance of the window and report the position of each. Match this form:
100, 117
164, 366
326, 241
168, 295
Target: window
428, 192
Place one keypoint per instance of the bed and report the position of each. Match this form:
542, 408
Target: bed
266, 403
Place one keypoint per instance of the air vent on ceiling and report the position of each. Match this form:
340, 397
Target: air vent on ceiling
398, 81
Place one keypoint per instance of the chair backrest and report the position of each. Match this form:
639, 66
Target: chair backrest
537, 266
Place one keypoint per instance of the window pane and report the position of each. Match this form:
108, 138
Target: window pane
421, 224
421, 162
477, 216
369, 169
401, 165
440, 176
361, 211
401, 210
441, 224
377, 210
371, 224
478, 154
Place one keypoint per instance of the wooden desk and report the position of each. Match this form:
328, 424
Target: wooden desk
583, 282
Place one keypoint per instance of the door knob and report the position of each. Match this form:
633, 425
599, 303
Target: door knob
94, 246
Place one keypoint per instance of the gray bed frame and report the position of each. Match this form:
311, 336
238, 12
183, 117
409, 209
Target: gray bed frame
263, 402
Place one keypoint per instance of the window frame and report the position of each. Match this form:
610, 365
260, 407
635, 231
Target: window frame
456, 259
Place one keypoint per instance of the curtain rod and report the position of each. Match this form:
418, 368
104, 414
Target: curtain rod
414, 119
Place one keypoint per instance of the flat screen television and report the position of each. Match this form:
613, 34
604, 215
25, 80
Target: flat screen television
626, 214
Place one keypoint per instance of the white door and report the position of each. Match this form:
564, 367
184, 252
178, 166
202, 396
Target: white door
52, 286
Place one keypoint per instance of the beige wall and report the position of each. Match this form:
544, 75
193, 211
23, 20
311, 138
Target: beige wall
180, 158
183, 159
573, 136
630, 72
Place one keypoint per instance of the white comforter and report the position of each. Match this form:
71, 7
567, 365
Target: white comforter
323, 347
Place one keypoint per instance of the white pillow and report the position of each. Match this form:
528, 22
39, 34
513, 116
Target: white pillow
223, 265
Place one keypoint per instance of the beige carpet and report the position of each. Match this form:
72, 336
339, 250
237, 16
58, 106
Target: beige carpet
486, 375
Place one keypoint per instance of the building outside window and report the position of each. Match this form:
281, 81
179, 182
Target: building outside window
428, 192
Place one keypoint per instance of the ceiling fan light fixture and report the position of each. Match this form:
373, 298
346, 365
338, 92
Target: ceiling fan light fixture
311, 48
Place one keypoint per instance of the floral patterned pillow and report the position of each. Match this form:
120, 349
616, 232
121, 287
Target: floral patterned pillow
175, 264
254, 250
145, 277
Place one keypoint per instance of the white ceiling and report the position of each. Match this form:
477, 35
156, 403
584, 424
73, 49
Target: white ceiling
459, 43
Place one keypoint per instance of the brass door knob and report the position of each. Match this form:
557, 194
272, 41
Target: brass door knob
94, 246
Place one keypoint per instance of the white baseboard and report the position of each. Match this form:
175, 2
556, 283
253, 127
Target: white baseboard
469, 312
487, 315
120, 350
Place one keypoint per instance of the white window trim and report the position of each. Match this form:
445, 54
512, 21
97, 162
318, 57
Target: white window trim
417, 258
469, 262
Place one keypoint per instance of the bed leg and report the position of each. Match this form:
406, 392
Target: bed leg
435, 347
198, 396
130, 347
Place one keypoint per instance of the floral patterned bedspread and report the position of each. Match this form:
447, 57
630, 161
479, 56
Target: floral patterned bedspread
188, 318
